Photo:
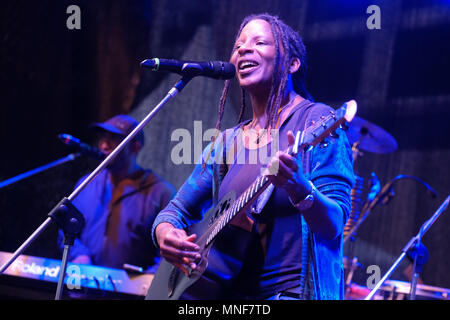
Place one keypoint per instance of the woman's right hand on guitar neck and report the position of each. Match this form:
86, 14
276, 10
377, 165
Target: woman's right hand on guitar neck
177, 247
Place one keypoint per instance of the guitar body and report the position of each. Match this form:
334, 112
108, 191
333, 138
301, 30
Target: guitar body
169, 282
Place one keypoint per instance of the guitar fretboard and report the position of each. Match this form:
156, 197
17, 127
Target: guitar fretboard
255, 189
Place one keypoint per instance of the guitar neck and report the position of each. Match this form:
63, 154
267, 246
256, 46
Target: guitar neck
241, 203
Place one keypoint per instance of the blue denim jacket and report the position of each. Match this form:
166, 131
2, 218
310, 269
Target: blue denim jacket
328, 165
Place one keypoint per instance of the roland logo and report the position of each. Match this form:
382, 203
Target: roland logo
35, 269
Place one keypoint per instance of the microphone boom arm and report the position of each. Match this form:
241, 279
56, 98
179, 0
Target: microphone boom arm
40, 169
368, 206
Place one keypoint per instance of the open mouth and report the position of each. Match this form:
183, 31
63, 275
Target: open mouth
247, 66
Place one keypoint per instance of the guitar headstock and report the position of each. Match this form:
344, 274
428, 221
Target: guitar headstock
350, 110
315, 133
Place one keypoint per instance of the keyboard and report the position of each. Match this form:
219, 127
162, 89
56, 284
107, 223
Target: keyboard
98, 281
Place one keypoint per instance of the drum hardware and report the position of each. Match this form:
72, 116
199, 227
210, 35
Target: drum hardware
370, 137
383, 197
356, 204
365, 136
419, 255
348, 281
399, 290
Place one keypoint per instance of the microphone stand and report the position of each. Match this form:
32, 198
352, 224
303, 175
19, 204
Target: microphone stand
37, 170
66, 216
414, 248
419, 254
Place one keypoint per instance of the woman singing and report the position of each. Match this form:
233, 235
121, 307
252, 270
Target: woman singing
289, 246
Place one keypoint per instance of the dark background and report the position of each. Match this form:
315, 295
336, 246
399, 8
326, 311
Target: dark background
56, 80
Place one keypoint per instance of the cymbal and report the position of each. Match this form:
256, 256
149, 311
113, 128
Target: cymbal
370, 137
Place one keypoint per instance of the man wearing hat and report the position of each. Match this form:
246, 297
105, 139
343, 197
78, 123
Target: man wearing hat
120, 204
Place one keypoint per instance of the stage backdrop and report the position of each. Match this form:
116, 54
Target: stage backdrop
55, 79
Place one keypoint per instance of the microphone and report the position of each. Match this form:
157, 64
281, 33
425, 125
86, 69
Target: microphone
212, 69
387, 193
84, 148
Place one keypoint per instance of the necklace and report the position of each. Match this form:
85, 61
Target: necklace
260, 136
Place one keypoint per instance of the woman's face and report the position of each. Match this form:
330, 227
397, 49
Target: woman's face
254, 56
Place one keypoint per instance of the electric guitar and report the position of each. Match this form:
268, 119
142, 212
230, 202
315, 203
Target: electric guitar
169, 282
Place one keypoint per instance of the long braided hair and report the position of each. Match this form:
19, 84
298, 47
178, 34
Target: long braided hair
293, 48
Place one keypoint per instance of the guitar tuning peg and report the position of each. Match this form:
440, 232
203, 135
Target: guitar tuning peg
333, 134
344, 126
323, 144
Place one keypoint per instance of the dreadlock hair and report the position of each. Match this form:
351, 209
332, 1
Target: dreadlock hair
293, 46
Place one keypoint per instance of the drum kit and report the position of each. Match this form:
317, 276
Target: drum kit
365, 136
